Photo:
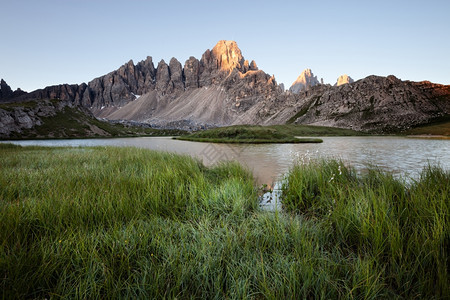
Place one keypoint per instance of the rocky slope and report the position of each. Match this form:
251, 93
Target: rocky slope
373, 104
304, 82
63, 119
15, 119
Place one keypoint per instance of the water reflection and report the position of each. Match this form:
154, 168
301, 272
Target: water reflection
268, 162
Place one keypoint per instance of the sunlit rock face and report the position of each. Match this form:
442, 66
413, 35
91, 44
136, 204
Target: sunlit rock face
228, 56
304, 82
344, 79
218, 63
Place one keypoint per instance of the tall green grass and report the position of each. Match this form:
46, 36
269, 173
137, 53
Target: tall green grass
397, 232
125, 222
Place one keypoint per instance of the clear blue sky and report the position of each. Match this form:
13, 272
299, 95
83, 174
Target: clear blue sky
50, 42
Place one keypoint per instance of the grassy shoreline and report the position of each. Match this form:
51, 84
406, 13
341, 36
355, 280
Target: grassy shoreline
250, 134
249, 140
163, 133
437, 128
397, 234
108, 222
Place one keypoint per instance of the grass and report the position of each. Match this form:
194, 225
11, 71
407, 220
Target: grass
249, 141
300, 113
28, 104
73, 123
440, 128
395, 235
253, 134
310, 130
133, 223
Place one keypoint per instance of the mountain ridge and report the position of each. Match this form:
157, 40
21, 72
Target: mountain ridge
223, 88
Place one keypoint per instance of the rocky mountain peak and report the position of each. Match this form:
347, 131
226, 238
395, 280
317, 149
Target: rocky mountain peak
228, 55
176, 74
4, 87
343, 79
162, 76
6, 92
304, 81
191, 73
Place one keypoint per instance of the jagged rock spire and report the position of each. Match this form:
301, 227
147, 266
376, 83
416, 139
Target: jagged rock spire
343, 79
304, 81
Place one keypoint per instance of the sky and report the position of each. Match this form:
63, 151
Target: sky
51, 42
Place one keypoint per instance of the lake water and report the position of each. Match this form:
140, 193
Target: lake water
269, 162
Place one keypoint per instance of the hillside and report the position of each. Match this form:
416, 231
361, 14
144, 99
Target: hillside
374, 104
59, 119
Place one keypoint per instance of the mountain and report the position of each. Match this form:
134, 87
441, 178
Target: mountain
223, 88
373, 104
304, 82
343, 79
215, 89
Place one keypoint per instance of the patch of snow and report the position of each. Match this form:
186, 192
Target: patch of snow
135, 96
102, 107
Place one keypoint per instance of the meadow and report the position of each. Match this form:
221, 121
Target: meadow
133, 223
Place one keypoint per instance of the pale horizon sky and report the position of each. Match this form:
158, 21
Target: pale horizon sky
51, 42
